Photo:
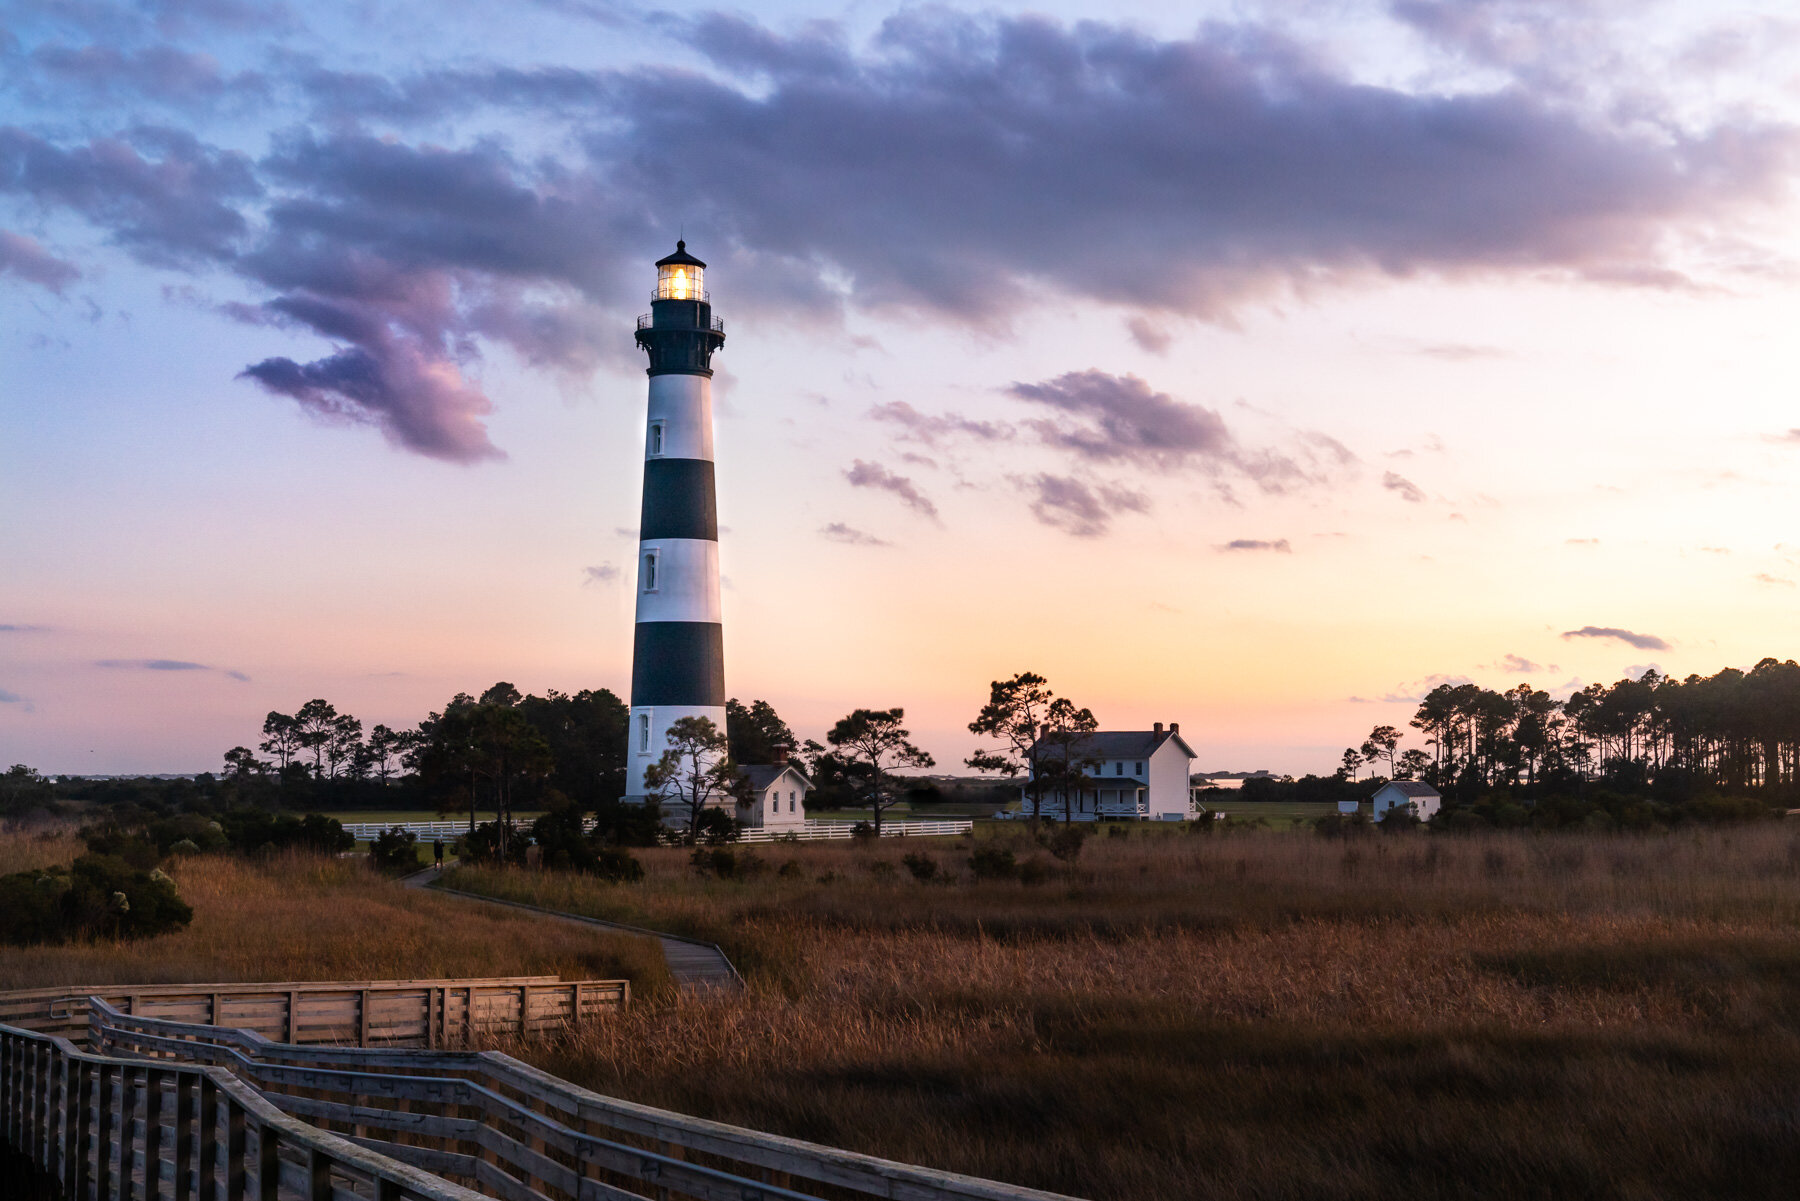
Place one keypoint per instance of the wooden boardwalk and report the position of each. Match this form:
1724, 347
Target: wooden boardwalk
167, 1110
698, 967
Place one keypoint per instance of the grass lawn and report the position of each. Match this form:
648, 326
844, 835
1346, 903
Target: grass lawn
1242, 1014
302, 917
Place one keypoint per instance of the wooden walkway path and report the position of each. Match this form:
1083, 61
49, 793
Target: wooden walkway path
698, 967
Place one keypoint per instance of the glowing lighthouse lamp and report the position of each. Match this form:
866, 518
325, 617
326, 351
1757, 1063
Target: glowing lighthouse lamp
678, 653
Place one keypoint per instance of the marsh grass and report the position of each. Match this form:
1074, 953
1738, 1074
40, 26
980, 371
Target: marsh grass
301, 917
1260, 1015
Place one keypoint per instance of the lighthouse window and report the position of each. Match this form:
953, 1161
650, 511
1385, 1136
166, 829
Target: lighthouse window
656, 437
650, 571
644, 733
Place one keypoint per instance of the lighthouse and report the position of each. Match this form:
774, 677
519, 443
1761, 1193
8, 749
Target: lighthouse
678, 653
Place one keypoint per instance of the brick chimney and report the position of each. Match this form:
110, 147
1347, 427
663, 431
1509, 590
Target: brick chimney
1157, 729
1174, 727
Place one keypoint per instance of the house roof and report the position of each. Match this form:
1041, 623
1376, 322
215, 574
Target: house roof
1411, 788
1125, 744
761, 775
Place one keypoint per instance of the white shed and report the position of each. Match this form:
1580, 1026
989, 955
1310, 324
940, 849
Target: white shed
1419, 799
775, 798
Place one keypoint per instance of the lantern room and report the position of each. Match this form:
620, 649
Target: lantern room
681, 276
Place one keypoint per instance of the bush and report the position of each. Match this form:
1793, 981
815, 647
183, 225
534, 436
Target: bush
791, 870
97, 896
923, 867
393, 851
727, 864
483, 846
862, 833
1034, 871
616, 865
882, 869
1066, 843
993, 863
716, 828
248, 831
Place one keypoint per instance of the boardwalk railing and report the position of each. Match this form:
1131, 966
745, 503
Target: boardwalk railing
518, 1134
395, 1013
94, 1126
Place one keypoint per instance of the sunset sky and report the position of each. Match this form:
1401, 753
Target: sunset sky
1248, 366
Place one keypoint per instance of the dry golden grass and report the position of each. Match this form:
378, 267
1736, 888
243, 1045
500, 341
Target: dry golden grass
53, 845
1258, 1015
300, 917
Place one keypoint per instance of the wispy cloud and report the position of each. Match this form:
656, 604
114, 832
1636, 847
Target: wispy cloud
166, 665
1520, 665
1763, 577
10, 628
1403, 487
1076, 507
837, 531
1278, 545
23, 257
605, 573
1414, 693
874, 475
1643, 642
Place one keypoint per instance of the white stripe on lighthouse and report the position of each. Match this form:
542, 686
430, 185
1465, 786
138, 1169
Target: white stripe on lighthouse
683, 585
681, 425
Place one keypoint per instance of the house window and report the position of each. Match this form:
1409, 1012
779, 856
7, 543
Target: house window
790, 802
1140, 770
650, 558
1118, 769
643, 733
656, 437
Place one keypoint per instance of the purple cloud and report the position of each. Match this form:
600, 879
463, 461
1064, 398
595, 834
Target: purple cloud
1279, 545
605, 573
167, 665
25, 258
874, 475
1402, 487
1643, 642
1085, 511
837, 531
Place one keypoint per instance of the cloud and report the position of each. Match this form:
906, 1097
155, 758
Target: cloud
1407, 490
606, 573
1413, 694
11, 698
158, 72
837, 531
932, 430
1520, 665
10, 628
1280, 545
1638, 671
1111, 418
1763, 577
1581, 541
1643, 642
1458, 352
25, 258
1716, 550
167, 665
1069, 504
1148, 334
1792, 437
874, 475
1189, 176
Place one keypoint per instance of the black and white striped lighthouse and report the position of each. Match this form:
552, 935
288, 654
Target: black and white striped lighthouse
678, 657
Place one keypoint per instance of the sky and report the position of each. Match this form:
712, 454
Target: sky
1249, 366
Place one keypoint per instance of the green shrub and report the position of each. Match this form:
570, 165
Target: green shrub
994, 863
1067, 842
1034, 871
393, 851
97, 896
923, 867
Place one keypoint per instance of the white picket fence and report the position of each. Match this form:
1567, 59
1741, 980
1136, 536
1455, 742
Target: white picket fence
812, 831
821, 831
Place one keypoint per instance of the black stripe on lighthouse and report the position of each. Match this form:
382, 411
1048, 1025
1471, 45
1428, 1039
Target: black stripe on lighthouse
680, 500
678, 663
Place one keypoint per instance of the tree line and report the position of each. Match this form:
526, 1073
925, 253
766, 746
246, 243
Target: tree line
1734, 731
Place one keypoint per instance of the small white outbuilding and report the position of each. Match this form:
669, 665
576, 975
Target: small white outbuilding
774, 797
1419, 799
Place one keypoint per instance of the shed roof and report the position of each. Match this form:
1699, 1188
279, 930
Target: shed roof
761, 775
1411, 788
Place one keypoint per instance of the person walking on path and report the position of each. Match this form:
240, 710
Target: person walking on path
437, 852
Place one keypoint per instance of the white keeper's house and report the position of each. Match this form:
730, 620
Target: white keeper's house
1136, 774
774, 797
